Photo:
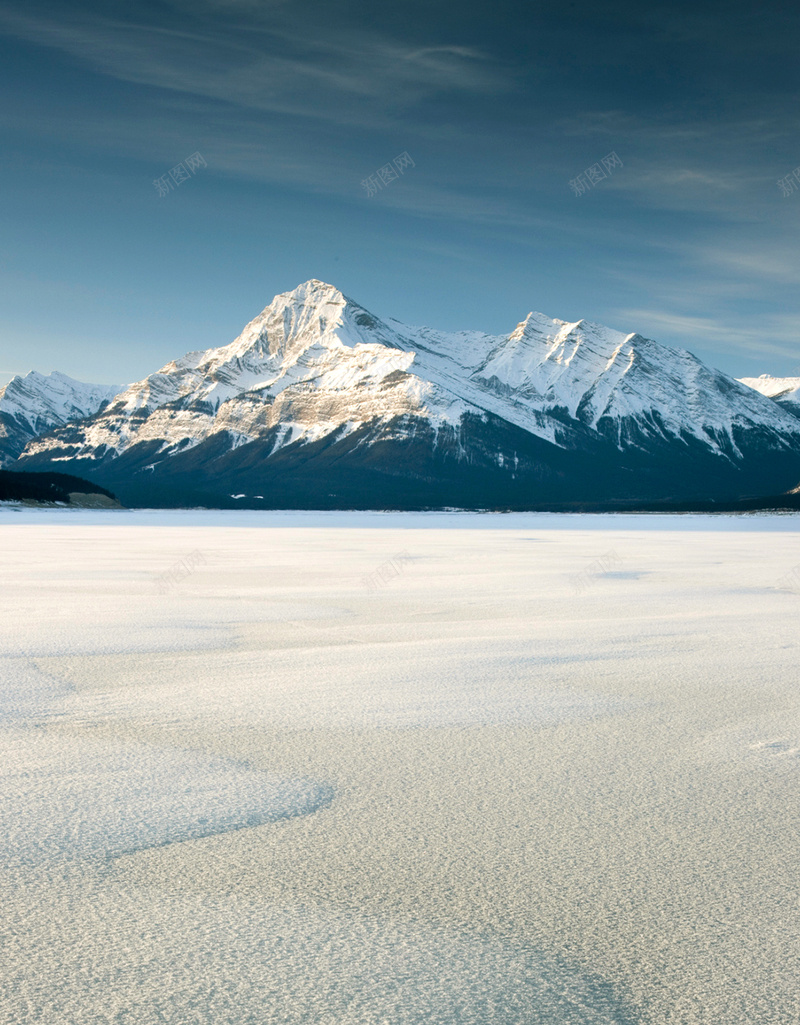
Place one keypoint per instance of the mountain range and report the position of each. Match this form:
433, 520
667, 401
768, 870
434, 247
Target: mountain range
320, 404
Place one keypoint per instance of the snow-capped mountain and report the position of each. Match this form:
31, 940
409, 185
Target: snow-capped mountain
318, 402
36, 403
784, 390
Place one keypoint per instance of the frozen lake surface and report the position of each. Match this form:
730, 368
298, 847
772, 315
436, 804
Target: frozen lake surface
399, 769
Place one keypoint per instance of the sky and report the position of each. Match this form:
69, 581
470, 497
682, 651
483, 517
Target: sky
273, 115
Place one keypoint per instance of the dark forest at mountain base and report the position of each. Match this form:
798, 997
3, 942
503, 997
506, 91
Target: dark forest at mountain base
48, 488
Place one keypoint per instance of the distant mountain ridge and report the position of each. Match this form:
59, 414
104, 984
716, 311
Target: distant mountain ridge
36, 403
319, 403
784, 390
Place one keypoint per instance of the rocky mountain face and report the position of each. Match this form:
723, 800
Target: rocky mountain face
320, 404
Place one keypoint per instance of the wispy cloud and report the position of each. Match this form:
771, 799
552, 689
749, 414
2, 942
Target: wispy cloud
778, 263
265, 63
772, 335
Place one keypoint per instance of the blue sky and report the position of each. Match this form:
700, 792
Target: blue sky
293, 104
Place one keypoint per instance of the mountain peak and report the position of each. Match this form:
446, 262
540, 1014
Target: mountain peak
534, 325
313, 293
314, 313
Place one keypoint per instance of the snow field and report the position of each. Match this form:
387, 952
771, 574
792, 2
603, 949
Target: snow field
473, 793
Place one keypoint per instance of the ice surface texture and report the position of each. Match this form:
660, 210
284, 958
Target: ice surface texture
71, 798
